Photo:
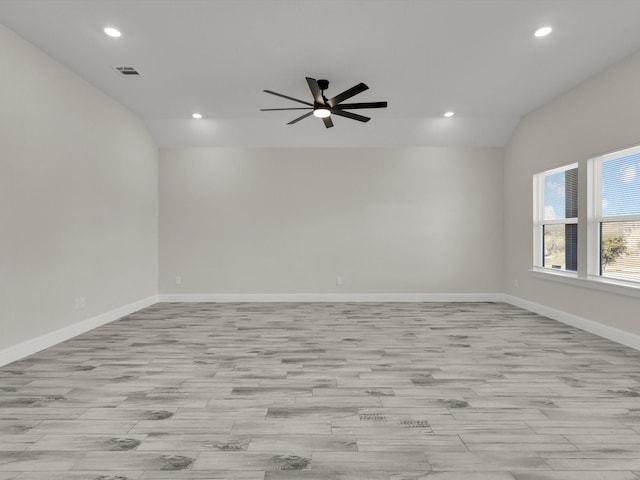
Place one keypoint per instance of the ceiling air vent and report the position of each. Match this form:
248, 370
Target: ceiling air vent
127, 71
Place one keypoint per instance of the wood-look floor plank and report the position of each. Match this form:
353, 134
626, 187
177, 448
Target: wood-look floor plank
345, 391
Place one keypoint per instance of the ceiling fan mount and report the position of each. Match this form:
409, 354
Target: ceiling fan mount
323, 84
323, 107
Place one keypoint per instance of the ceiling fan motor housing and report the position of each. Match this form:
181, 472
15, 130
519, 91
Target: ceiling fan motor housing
323, 84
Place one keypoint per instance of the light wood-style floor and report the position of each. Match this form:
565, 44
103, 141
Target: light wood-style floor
374, 391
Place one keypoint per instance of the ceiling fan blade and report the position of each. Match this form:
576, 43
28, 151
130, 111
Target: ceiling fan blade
295, 120
274, 109
315, 90
287, 97
361, 87
327, 122
354, 106
352, 116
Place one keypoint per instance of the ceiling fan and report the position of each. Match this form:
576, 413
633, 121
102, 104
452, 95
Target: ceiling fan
323, 107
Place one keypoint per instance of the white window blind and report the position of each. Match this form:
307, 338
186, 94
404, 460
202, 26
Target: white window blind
617, 215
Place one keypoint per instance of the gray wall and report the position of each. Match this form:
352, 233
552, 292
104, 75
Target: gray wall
79, 206
389, 220
78, 197
598, 116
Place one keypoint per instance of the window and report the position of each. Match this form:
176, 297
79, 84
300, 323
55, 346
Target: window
611, 222
556, 219
614, 223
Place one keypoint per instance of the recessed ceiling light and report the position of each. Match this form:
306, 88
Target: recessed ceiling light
543, 32
197, 115
112, 32
449, 114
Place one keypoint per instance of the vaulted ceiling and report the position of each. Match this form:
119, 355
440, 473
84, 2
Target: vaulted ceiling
478, 58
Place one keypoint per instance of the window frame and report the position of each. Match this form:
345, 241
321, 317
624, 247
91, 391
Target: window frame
539, 222
596, 218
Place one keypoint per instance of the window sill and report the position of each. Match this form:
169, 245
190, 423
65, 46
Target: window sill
618, 287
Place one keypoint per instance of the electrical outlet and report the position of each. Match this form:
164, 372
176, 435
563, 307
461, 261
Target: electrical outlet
178, 280
83, 302
339, 280
516, 283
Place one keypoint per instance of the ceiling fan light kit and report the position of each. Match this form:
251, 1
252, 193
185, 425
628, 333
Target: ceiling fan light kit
321, 112
323, 107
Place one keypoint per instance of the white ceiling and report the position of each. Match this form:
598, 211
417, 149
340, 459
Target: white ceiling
476, 57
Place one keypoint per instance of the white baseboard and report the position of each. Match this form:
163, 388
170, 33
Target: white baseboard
611, 333
330, 297
29, 347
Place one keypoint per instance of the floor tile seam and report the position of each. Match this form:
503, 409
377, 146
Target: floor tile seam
544, 460
130, 431
44, 435
544, 413
577, 447
70, 468
464, 443
27, 432
530, 428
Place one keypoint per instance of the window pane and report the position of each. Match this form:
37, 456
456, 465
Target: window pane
560, 247
620, 250
561, 195
621, 185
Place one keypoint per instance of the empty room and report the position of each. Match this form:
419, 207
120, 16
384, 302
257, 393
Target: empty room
319, 240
